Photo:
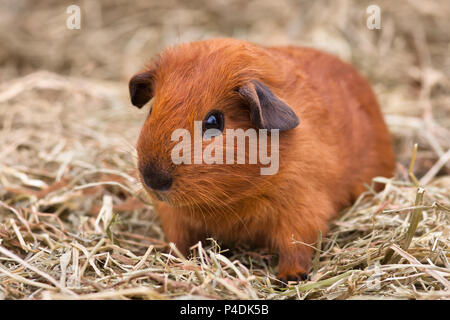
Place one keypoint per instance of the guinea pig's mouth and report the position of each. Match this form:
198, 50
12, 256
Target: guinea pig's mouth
161, 195
170, 197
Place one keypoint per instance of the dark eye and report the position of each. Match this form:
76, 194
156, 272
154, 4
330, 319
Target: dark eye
214, 120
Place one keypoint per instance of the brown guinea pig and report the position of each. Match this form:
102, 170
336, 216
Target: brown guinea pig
332, 140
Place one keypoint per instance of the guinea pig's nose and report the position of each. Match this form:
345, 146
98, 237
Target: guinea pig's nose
156, 179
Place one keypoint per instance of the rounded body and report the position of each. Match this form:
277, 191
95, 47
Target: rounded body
340, 144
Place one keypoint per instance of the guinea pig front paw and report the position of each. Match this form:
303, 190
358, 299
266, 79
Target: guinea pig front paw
296, 276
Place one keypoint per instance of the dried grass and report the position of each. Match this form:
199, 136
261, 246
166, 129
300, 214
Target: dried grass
74, 222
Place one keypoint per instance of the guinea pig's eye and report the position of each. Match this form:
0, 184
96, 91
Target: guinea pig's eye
214, 120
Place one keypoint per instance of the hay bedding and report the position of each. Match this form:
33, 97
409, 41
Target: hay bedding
75, 224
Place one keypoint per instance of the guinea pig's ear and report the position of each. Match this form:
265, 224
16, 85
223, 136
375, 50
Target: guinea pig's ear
141, 88
267, 111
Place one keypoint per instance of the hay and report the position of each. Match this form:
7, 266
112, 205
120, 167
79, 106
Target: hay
74, 221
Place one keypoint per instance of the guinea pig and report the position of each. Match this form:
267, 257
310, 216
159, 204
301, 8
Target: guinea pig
332, 140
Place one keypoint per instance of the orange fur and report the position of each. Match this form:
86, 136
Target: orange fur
341, 143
